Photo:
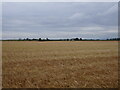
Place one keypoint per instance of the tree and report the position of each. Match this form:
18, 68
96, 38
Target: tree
27, 39
76, 39
80, 38
40, 39
67, 39
47, 39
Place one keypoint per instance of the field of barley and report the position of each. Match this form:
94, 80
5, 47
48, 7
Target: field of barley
60, 64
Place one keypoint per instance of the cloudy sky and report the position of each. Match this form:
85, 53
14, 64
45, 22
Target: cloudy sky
59, 20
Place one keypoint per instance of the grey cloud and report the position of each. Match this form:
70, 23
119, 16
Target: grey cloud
60, 20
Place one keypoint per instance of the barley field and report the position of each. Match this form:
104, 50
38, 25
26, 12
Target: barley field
60, 64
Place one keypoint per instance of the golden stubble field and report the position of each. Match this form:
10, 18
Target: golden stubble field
60, 64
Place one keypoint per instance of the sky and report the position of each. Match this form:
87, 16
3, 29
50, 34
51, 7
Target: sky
59, 20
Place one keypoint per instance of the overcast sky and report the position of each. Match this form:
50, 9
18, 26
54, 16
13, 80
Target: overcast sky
60, 20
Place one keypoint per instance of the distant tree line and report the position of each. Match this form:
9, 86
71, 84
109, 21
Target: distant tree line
46, 39
114, 39
72, 39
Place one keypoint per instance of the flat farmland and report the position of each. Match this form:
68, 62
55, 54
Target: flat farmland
60, 64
